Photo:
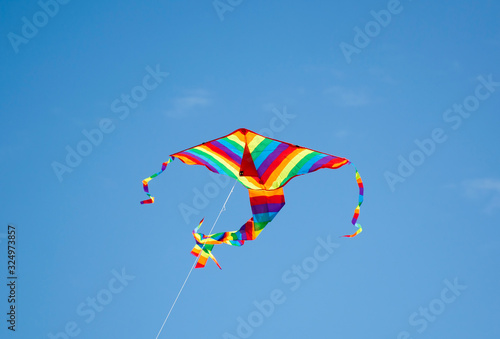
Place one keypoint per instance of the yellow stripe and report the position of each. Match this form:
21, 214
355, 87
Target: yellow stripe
257, 139
185, 160
250, 183
283, 174
238, 138
231, 166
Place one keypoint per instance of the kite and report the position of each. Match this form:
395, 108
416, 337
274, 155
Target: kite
263, 165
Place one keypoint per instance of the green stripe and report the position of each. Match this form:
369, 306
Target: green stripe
235, 144
261, 147
207, 248
260, 225
207, 156
299, 166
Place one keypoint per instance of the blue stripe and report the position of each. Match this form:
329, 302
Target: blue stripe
203, 158
307, 166
265, 153
264, 217
229, 145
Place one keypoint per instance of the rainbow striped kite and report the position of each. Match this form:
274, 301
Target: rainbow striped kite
264, 166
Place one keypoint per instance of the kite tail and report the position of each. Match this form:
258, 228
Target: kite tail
203, 253
356, 211
202, 250
146, 181
265, 205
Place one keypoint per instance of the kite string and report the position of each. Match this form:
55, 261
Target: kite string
196, 259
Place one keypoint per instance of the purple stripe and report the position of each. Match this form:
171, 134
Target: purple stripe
201, 161
227, 151
268, 150
269, 160
361, 190
320, 163
266, 208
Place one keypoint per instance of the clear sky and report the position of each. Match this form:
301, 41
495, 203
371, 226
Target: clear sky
96, 95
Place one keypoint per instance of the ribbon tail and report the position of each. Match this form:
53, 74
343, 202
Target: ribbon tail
203, 253
356, 211
145, 182
202, 250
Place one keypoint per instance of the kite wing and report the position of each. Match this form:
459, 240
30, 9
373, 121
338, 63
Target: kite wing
264, 166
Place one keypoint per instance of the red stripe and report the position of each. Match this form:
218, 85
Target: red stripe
271, 168
187, 155
276, 199
220, 153
335, 163
247, 230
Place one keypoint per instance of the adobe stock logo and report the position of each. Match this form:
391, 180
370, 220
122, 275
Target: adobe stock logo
421, 319
40, 19
222, 6
454, 117
123, 105
89, 308
363, 37
295, 276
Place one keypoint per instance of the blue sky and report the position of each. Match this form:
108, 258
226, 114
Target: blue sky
95, 96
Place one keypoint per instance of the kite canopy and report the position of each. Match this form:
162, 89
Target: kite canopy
264, 166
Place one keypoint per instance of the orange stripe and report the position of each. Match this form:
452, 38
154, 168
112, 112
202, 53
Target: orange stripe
282, 165
219, 157
260, 193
